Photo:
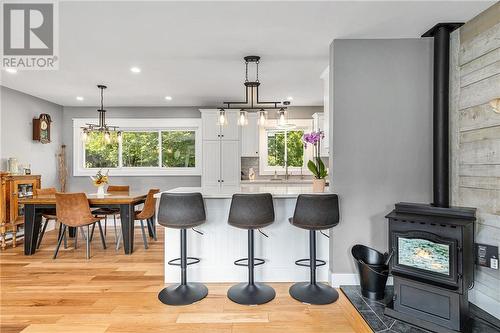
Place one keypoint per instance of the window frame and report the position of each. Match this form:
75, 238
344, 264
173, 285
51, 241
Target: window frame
305, 125
138, 125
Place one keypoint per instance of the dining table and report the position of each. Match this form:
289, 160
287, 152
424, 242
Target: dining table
126, 202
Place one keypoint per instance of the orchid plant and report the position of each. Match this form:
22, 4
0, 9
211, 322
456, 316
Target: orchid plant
317, 167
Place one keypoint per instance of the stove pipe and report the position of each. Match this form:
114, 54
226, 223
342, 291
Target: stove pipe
441, 166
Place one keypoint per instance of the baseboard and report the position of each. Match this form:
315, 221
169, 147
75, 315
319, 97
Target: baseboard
348, 279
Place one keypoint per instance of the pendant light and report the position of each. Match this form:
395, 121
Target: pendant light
101, 127
262, 117
251, 102
222, 119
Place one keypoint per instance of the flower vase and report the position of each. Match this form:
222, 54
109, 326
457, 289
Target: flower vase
319, 185
100, 191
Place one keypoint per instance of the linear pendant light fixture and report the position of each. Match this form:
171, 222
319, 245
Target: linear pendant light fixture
101, 127
251, 102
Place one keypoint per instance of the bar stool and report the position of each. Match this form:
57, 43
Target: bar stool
182, 211
251, 211
314, 212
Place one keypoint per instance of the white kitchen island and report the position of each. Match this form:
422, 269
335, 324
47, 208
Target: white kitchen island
222, 244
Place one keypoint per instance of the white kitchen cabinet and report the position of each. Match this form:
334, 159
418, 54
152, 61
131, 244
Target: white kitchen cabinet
318, 125
221, 152
325, 76
213, 131
250, 137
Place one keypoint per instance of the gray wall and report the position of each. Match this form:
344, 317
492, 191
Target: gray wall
17, 112
142, 182
381, 136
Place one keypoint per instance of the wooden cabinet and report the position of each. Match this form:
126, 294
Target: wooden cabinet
14, 187
221, 152
250, 137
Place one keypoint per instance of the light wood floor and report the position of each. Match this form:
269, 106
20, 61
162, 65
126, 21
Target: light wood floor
117, 293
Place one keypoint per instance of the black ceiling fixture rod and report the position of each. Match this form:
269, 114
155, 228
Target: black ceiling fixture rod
441, 165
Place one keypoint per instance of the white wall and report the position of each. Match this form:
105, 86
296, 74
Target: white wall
381, 132
17, 113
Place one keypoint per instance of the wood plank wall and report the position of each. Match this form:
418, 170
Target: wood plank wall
475, 139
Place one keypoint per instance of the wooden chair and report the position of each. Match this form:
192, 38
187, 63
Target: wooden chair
146, 214
73, 210
105, 212
47, 217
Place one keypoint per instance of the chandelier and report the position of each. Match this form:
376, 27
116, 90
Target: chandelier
101, 127
251, 102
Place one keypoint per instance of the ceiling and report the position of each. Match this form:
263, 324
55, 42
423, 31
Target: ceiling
193, 51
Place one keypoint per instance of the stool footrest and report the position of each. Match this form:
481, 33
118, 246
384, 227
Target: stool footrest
177, 261
241, 262
306, 262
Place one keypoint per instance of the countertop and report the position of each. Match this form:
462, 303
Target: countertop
279, 191
280, 181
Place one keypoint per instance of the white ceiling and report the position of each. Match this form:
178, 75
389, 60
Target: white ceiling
193, 51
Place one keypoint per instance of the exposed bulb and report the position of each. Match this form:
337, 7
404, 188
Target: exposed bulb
282, 120
107, 137
85, 136
222, 117
242, 121
262, 118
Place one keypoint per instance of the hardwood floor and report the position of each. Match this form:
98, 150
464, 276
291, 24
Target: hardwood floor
117, 293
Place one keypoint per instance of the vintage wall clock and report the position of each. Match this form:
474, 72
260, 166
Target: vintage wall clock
41, 128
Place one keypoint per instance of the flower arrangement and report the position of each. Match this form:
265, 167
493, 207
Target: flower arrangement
99, 179
317, 167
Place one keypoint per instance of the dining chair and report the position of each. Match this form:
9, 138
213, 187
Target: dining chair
73, 210
105, 211
48, 216
146, 214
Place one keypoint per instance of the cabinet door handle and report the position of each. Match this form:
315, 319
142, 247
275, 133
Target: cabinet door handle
222, 180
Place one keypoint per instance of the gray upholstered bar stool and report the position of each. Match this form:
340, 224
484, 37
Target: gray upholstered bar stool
182, 211
314, 212
251, 211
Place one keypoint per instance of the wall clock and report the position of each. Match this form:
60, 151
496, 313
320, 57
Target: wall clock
41, 128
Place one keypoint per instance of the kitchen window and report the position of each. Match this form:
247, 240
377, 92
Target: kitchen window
279, 145
148, 147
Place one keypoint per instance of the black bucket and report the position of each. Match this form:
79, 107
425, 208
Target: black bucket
373, 270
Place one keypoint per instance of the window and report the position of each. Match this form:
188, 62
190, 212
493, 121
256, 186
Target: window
171, 147
280, 145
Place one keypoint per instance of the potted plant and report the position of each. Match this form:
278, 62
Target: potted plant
316, 166
99, 180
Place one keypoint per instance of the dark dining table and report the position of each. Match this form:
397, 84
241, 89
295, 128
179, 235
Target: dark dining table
37, 205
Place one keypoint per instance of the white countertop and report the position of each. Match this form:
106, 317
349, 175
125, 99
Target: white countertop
269, 181
279, 191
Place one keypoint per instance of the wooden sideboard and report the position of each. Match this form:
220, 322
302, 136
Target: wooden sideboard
12, 188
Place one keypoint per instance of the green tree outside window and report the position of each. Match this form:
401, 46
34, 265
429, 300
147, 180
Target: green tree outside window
140, 149
98, 153
276, 148
178, 149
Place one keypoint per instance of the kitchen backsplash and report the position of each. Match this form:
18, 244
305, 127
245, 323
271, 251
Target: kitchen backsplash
253, 162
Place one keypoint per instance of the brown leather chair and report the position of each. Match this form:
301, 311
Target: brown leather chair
146, 214
73, 210
105, 212
48, 216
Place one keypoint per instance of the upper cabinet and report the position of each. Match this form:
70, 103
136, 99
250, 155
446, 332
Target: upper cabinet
250, 137
213, 131
325, 76
319, 125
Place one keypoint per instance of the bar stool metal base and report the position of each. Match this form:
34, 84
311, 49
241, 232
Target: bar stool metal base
251, 294
317, 293
183, 294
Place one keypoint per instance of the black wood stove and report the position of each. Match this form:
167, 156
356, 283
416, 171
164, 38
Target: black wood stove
433, 244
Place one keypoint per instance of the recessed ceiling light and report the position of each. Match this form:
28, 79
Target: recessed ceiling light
79, 98
135, 69
290, 98
168, 98
11, 70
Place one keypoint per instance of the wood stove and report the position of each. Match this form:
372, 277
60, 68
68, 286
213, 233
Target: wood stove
433, 244
432, 264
